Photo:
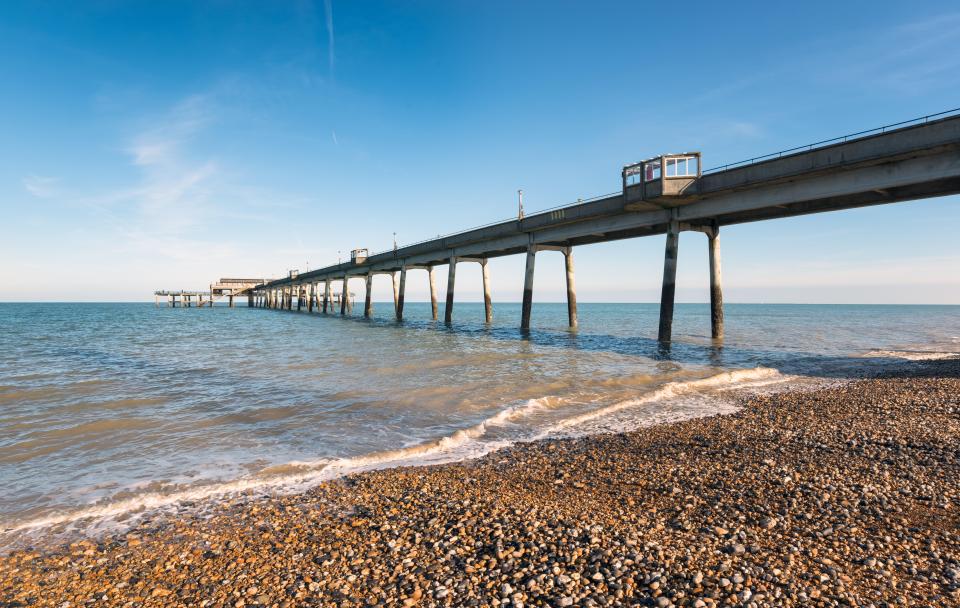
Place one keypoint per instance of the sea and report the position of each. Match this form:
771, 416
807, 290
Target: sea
112, 412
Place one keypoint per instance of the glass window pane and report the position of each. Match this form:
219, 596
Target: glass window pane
681, 166
692, 165
671, 167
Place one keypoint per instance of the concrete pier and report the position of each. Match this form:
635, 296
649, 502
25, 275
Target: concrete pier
368, 294
343, 295
487, 300
669, 282
326, 295
402, 289
310, 291
571, 288
433, 293
716, 291
670, 193
527, 305
451, 280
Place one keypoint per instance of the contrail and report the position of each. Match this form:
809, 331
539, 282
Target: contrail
328, 7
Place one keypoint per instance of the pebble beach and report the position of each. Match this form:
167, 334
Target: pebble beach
846, 495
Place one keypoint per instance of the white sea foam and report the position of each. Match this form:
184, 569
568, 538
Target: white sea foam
463, 444
735, 379
912, 355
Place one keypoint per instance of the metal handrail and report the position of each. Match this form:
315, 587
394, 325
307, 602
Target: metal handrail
841, 139
807, 147
509, 219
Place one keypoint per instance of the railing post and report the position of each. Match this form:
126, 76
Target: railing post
527, 306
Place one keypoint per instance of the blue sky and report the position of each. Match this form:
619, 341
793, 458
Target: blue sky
156, 145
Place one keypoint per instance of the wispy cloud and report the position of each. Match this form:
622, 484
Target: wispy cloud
912, 58
41, 186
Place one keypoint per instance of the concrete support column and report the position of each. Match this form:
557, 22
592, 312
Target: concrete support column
326, 295
571, 288
487, 301
310, 291
433, 292
451, 280
401, 292
231, 299
669, 282
249, 299
396, 291
527, 306
299, 297
343, 295
716, 291
367, 301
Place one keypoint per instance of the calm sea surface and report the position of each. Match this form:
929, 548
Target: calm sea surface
107, 410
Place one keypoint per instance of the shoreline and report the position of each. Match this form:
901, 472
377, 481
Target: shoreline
808, 497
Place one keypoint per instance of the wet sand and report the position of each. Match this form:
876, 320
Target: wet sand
848, 495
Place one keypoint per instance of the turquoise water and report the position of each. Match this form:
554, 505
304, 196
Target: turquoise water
110, 409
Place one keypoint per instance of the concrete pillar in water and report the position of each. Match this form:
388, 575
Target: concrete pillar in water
299, 297
400, 293
396, 292
343, 295
367, 301
716, 291
527, 306
487, 301
433, 292
451, 279
249, 299
310, 291
326, 295
231, 299
669, 282
571, 288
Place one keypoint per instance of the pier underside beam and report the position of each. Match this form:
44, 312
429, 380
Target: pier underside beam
528, 288
451, 279
669, 282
